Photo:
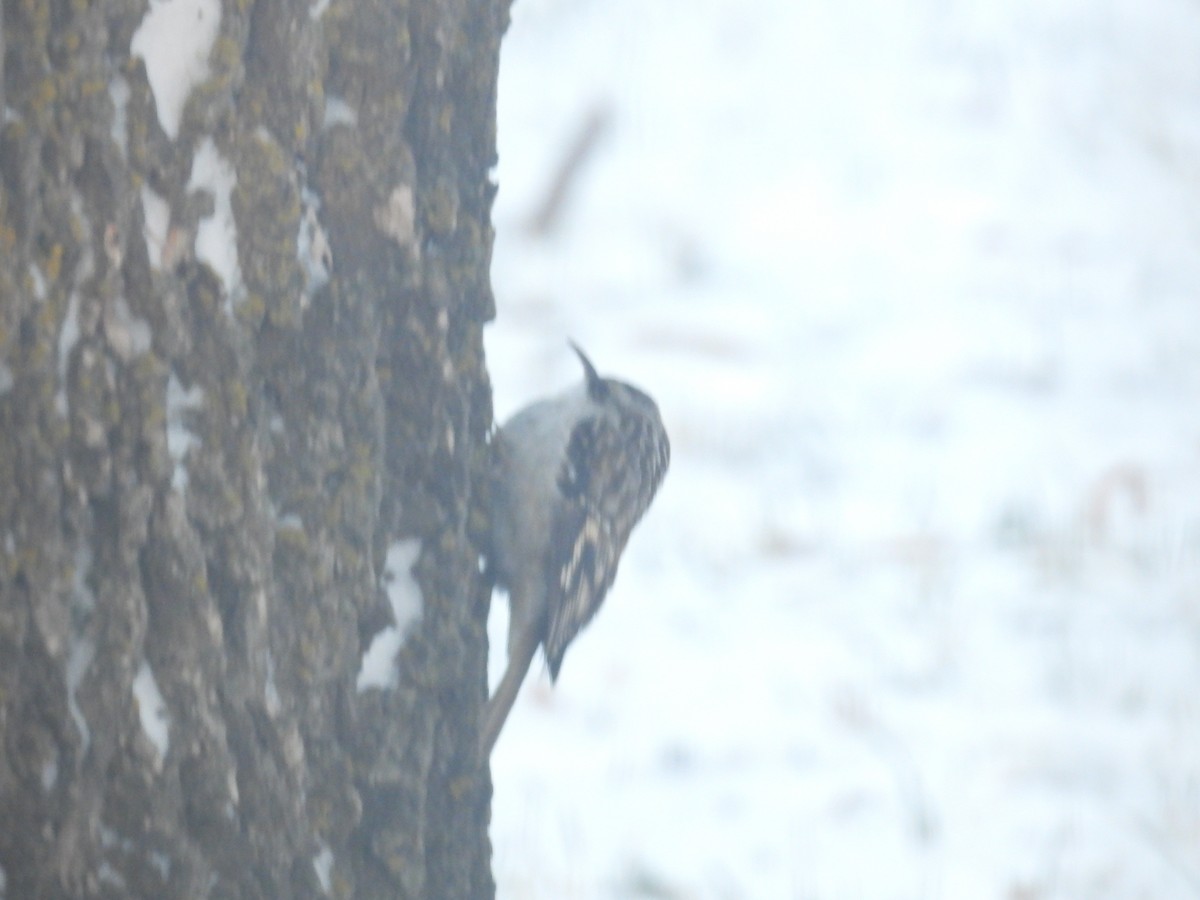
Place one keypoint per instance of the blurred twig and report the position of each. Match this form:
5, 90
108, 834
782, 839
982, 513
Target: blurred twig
548, 215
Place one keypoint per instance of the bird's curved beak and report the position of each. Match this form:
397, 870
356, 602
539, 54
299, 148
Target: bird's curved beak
593, 379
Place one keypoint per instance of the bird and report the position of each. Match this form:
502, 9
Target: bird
571, 476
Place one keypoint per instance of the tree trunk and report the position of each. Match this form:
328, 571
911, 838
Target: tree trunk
243, 412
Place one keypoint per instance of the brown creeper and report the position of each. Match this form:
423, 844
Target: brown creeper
572, 475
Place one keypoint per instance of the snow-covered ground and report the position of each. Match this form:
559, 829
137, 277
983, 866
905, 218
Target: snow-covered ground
917, 288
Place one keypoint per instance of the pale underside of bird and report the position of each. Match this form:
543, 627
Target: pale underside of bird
571, 476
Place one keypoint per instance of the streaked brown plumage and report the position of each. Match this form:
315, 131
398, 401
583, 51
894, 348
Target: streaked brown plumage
572, 476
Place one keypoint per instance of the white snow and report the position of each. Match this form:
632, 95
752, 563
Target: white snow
378, 670
38, 279
397, 217
180, 438
119, 92
79, 658
271, 688
82, 649
317, 9
152, 710
339, 112
917, 612
156, 213
108, 875
175, 39
216, 238
127, 334
161, 863
290, 520
312, 244
323, 866
68, 337
49, 774
404, 595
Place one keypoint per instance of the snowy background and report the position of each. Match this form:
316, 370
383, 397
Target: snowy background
917, 612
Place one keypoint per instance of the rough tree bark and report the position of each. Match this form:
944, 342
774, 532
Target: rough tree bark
212, 475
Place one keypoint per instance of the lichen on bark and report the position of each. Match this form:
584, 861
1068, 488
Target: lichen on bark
201, 480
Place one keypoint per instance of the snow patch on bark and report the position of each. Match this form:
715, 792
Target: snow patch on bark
404, 595
175, 39
152, 710
216, 237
